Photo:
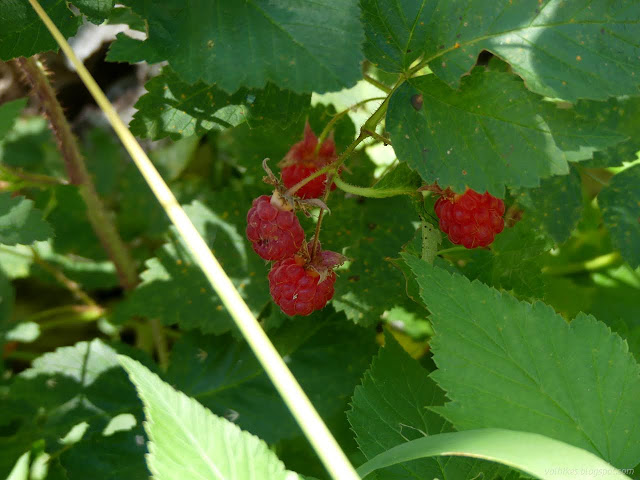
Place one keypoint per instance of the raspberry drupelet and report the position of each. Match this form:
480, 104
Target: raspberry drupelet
470, 219
302, 160
298, 289
274, 233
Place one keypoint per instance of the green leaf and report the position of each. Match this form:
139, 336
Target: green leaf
286, 44
225, 377
176, 109
534, 454
112, 457
130, 50
620, 204
175, 290
395, 31
513, 262
390, 409
561, 48
24, 34
556, 205
491, 133
9, 112
400, 178
516, 365
82, 383
369, 231
97, 11
187, 440
20, 222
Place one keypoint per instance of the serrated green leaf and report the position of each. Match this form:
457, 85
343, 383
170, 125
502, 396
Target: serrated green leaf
20, 222
513, 262
556, 205
620, 204
175, 290
9, 112
285, 44
176, 109
510, 364
400, 178
533, 454
131, 50
189, 441
390, 409
24, 34
395, 31
369, 231
30, 146
97, 11
562, 48
491, 133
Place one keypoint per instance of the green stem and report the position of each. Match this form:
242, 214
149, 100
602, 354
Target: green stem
30, 179
376, 83
329, 126
451, 250
597, 263
73, 314
61, 278
378, 137
372, 192
313, 176
431, 238
331, 178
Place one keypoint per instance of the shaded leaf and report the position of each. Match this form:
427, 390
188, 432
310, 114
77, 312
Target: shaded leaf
620, 204
395, 31
510, 364
20, 222
285, 44
24, 34
9, 112
175, 290
556, 205
176, 109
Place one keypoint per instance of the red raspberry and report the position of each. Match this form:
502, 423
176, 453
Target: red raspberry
274, 233
298, 290
470, 219
302, 160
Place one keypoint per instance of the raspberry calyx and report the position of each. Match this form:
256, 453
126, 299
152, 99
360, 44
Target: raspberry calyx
470, 219
305, 158
298, 288
275, 233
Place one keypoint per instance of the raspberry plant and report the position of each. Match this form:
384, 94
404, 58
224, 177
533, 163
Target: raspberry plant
446, 252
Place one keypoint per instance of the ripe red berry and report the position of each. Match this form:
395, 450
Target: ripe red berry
297, 289
470, 219
274, 233
302, 160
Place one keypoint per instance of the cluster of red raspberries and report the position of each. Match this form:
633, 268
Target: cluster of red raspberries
301, 280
